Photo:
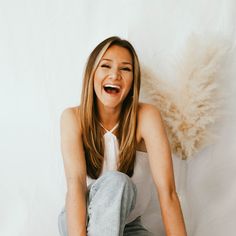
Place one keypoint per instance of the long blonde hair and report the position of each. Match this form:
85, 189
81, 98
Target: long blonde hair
92, 131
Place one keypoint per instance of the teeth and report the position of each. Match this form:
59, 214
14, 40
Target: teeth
112, 86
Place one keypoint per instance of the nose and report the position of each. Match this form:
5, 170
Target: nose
115, 74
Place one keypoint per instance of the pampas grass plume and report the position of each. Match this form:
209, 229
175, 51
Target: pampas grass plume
190, 108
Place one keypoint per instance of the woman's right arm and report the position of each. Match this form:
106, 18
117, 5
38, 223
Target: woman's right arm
75, 171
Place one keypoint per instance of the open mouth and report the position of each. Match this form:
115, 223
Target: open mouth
111, 89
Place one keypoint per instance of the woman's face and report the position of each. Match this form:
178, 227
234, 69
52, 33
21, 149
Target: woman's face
113, 77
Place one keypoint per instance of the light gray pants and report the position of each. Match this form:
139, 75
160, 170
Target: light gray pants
110, 199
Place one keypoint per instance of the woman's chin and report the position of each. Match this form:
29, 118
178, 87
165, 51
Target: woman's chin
110, 104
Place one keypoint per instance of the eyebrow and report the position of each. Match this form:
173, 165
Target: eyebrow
121, 62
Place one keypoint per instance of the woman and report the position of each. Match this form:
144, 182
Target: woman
108, 144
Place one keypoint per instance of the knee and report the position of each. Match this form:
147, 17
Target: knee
117, 177
114, 181
114, 184
120, 182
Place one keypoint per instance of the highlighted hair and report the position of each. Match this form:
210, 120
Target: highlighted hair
92, 131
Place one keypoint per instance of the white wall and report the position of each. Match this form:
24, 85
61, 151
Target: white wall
43, 47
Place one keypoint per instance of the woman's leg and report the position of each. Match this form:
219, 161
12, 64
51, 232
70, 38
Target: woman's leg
110, 200
135, 228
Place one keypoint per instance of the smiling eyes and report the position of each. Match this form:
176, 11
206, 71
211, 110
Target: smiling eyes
122, 68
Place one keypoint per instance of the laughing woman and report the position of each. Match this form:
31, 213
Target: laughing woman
112, 147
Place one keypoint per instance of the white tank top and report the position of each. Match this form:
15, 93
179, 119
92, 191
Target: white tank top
141, 176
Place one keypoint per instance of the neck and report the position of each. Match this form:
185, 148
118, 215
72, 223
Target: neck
108, 116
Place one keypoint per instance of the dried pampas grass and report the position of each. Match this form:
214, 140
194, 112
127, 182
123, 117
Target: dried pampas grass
192, 106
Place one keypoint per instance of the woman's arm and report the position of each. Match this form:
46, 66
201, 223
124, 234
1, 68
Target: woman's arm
75, 171
154, 135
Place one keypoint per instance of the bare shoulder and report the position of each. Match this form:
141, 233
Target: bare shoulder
70, 119
149, 117
147, 107
147, 112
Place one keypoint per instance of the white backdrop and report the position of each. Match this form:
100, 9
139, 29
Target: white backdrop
43, 48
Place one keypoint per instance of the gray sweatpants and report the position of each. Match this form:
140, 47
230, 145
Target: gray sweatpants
110, 199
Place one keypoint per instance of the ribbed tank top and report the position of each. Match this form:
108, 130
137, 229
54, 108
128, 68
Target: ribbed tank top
141, 176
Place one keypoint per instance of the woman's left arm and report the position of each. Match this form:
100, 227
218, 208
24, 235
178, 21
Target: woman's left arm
158, 148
